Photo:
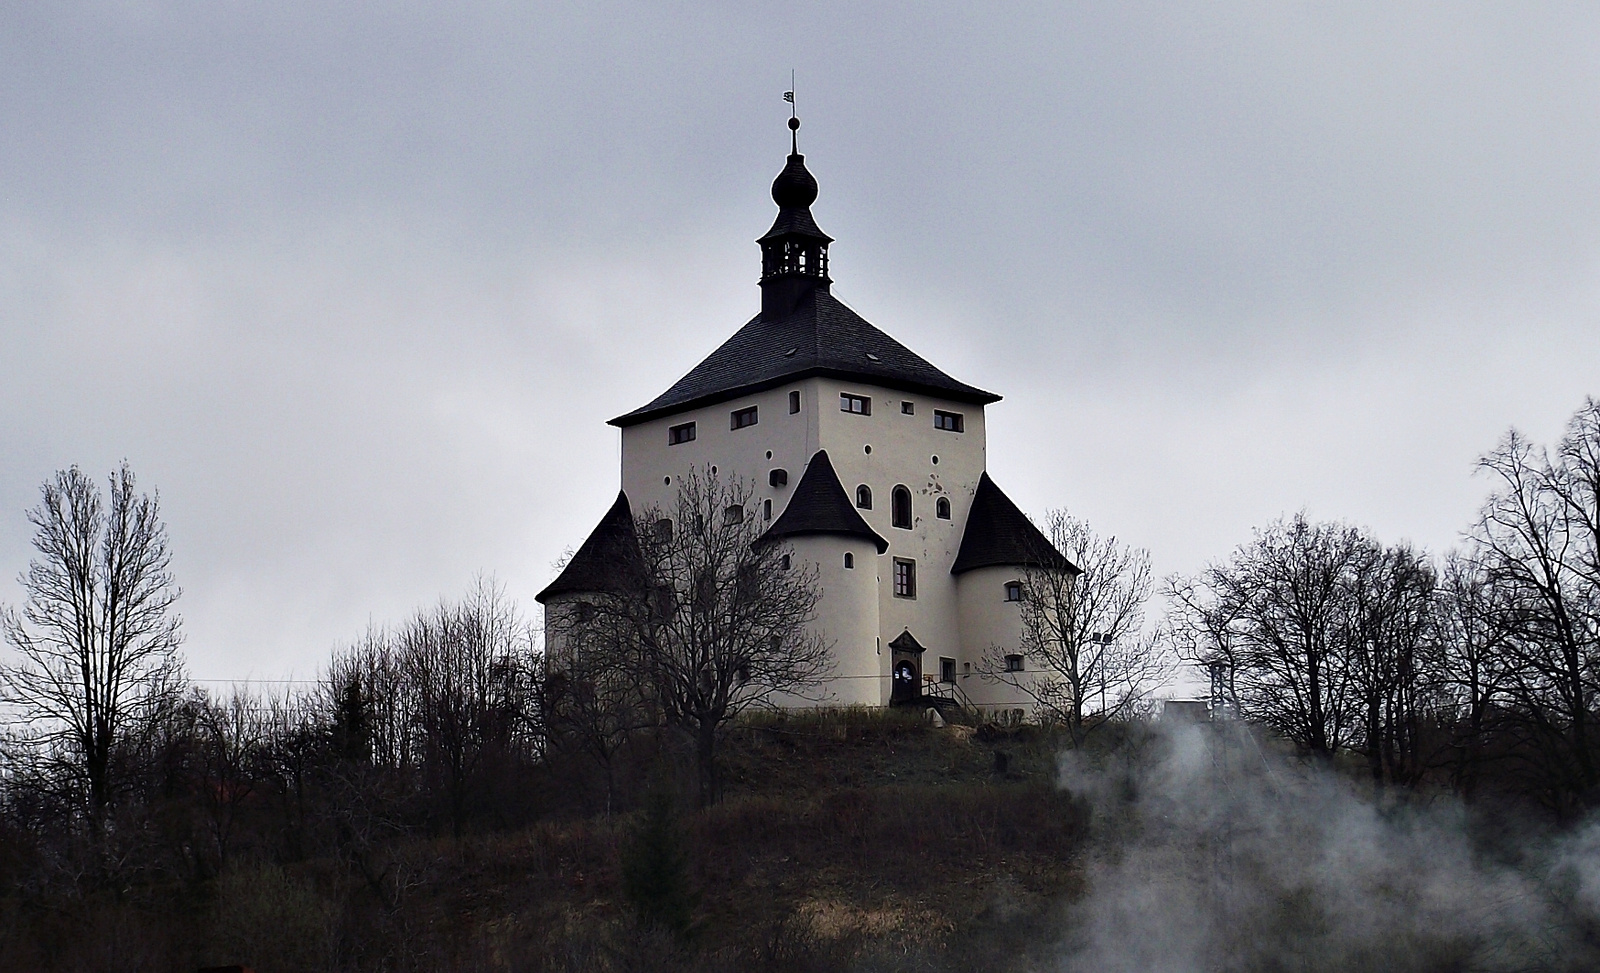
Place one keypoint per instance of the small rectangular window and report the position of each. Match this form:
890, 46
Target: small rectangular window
908, 408
766, 510
1013, 663
680, 434
858, 404
733, 515
948, 421
794, 401
742, 418
905, 578
947, 670
1013, 591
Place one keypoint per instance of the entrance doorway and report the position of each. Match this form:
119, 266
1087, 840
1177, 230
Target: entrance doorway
905, 669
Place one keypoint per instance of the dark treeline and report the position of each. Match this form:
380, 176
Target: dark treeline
147, 823
1477, 671
134, 805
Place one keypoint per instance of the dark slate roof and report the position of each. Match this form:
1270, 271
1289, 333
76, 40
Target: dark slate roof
906, 642
607, 561
795, 222
820, 506
999, 534
822, 337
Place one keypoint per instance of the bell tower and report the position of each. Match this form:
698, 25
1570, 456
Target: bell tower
794, 253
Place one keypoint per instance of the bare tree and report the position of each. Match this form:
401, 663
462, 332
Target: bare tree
231, 735
1469, 660
1391, 679
367, 706
468, 668
596, 707
292, 752
717, 624
1089, 656
97, 636
1538, 540
1279, 612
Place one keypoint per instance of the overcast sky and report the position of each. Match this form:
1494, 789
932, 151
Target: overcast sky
357, 286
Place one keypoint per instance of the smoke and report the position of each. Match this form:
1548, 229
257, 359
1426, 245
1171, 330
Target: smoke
1212, 854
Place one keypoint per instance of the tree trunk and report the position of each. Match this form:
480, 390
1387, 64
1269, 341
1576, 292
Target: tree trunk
705, 752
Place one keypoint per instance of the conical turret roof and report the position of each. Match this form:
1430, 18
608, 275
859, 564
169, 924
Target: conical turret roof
999, 534
608, 561
820, 506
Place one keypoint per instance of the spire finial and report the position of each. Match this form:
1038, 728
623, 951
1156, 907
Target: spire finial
794, 118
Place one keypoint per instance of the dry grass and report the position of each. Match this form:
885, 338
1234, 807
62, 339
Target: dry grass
846, 840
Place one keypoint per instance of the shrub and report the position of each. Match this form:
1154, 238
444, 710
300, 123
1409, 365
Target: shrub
655, 870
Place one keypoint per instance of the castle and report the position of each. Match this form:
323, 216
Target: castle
868, 462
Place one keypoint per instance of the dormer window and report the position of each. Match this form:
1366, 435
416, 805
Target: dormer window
678, 435
864, 497
859, 405
948, 421
742, 417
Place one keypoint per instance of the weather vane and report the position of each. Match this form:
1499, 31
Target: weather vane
794, 119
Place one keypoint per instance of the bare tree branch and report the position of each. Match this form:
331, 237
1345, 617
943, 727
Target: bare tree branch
97, 636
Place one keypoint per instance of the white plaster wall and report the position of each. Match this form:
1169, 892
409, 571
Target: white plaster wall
648, 459
558, 612
903, 447
953, 617
847, 619
987, 619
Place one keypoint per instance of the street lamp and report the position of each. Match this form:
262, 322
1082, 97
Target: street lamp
1102, 639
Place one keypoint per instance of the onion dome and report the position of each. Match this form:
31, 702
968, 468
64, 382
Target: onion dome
795, 187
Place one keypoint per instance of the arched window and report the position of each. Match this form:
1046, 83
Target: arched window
901, 504
784, 562
849, 560
941, 509
864, 497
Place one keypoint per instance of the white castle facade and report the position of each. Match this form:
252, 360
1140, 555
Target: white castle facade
867, 461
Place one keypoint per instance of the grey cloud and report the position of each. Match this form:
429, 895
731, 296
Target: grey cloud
357, 287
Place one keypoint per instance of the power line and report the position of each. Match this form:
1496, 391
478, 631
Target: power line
276, 682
